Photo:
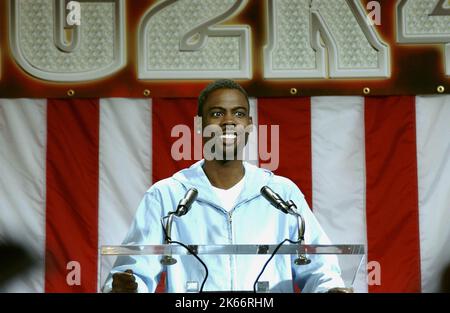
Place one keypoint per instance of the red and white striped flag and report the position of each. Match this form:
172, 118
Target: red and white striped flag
376, 171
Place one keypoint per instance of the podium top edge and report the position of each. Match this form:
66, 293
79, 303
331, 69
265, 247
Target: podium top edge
249, 249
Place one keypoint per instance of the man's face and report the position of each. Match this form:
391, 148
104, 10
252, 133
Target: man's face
226, 122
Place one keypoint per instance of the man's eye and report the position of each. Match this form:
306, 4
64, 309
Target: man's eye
216, 114
240, 114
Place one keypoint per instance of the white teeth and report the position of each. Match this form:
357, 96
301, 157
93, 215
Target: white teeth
228, 136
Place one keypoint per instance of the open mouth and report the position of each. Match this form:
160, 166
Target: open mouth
228, 138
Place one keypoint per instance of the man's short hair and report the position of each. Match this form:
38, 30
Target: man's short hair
216, 85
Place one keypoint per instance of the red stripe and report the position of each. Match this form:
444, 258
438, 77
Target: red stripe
293, 115
392, 196
167, 113
72, 194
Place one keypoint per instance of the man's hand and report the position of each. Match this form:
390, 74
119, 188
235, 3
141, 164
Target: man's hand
340, 290
124, 282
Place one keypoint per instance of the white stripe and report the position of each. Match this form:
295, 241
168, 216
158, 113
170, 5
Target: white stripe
433, 158
22, 184
251, 150
125, 167
338, 169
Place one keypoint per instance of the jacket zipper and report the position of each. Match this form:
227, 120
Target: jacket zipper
232, 258
230, 237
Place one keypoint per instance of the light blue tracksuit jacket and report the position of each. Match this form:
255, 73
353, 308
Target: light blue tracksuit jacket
252, 221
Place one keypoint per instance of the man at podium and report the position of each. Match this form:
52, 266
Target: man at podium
229, 209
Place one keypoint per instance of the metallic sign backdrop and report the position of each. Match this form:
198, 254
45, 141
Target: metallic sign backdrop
169, 48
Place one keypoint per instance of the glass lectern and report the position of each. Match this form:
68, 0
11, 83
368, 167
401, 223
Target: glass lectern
351, 257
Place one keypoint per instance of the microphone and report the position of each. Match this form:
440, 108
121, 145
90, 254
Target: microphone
274, 199
183, 207
288, 207
185, 204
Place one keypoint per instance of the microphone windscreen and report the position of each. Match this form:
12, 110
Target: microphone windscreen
186, 202
274, 199
191, 196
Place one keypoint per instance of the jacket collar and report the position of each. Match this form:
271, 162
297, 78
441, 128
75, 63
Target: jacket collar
194, 177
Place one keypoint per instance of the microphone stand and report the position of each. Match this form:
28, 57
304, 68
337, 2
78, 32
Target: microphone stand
301, 259
287, 207
183, 207
168, 259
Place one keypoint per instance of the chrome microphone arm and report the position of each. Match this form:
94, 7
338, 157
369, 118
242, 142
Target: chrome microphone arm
167, 259
288, 207
168, 228
300, 220
301, 259
182, 209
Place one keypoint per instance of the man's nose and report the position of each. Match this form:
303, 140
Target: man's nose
229, 119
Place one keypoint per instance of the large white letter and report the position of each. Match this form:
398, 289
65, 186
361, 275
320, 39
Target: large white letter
179, 40
302, 31
47, 48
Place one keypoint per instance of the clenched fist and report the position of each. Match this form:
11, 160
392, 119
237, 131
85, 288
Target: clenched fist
124, 282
